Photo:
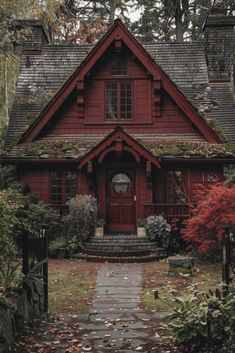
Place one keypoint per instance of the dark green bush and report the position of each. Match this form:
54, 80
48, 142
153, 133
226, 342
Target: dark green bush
158, 230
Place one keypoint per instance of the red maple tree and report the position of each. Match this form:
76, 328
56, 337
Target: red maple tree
205, 229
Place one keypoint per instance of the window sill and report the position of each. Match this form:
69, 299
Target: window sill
119, 122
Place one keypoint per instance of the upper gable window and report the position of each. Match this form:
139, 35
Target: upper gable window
118, 100
119, 66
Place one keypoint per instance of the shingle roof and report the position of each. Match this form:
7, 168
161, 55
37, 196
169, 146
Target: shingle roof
41, 76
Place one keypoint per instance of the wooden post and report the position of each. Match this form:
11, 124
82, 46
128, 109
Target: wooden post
226, 260
45, 269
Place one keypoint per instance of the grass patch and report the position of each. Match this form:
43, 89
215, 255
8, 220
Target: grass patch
71, 286
155, 278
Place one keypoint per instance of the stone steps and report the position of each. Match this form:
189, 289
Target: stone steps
120, 248
118, 259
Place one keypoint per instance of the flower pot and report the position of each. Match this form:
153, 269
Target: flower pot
99, 231
141, 232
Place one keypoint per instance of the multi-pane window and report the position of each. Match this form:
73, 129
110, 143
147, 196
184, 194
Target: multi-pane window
126, 100
118, 100
176, 187
119, 66
70, 185
63, 186
56, 187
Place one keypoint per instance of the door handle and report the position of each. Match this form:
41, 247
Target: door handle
134, 197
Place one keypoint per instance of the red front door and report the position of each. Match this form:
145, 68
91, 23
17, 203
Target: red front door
120, 202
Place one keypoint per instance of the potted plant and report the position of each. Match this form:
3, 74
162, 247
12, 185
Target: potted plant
158, 230
99, 228
82, 218
141, 230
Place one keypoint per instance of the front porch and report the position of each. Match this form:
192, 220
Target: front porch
171, 212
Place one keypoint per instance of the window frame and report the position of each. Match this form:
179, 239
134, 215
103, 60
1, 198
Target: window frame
122, 67
118, 83
185, 186
63, 186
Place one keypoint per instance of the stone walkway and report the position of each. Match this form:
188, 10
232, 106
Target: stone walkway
115, 322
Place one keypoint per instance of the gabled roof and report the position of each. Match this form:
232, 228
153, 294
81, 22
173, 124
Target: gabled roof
119, 136
119, 31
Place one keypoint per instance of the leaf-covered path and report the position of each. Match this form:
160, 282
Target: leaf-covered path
115, 322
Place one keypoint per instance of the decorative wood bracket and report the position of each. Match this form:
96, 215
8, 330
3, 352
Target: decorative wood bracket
157, 98
80, 93
118, 145
149, 174
89, 167
148, 169
80, 100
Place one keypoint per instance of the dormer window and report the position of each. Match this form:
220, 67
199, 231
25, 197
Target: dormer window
118, 100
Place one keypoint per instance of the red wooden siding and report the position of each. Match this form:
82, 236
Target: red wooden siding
97, 66
172, 120
151, 193
203, 178
154, 111
37, 181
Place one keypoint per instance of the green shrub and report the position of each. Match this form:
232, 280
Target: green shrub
58, 243
228, 345
82, 217
201, 319
158, 230
10, 274
9, 206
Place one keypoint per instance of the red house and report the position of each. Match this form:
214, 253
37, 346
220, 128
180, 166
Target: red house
138, 126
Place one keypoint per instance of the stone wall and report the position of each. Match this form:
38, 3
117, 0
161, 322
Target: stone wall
16, 309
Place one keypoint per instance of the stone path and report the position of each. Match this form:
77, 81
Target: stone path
115, 323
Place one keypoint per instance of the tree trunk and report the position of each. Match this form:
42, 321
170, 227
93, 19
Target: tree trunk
6, 91
179, 26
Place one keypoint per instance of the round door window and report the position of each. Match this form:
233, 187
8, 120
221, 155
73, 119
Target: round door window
121, 183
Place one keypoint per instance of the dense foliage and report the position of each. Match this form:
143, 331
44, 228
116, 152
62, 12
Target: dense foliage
20, 212
201, 319
205, 230
9, 205
158, 230
175, 20
82, 217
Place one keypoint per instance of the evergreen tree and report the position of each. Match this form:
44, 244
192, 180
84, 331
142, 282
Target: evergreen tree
175, 19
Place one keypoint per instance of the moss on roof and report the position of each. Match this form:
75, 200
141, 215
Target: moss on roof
68, 149
191, 149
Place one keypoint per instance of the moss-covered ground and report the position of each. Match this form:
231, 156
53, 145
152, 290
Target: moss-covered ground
155, 278
71, 286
